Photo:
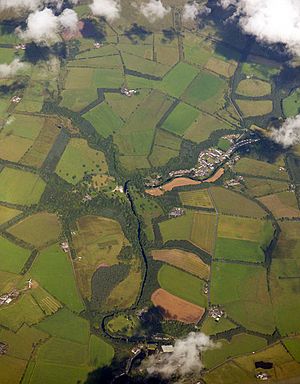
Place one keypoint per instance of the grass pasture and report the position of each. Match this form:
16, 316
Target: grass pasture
182, 284
145, 66
199, 198
104, 120
136, 136
288, 243
203, 127
20, 187
98, 241
197, 227
260, 71
54, 262
39, 229
186, 261
11, 369
79, 160
220, 67
101, 353
258, 187
180, 119
212, 327
242, 290
250, 108
12, 257
243, 250
13, 148
259, 168
25, 126
206, 91
7, 214
253, 88
78, 99
291, 104
283, 204
66, 325
239, 344
232, 203
242, 228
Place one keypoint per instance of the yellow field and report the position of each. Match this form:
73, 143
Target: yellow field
255, 107
254, 88
187, 261
203, 231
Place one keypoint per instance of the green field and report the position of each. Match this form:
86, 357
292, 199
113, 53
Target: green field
104, 120
291, 104
242, 290
253, 88
7, 214
231, 203
182, 284
212, 327
79, 160
180, 119
54, 271
39, 229
12, 257
260, 168
243, 250
20, 187
257, 187
238, 345
196, 198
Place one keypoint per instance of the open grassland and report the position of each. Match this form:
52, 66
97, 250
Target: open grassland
104, 120
23, 310
258, 187
203, 127
101, 353
285, 289
239, 344
124, 106
82, 78
161, 155
229, 373
66, 325
283, 204
206, 91
197, 50
98, 241
232, 203
42, 144
241, 228
251, 108
12, 257
180, 119
284, 367
260, 71
78, 99
174, 308
8, 281
136, 136
243, 250
212, 327
288, 243
197, 227
242, 290
166, 140
53, 270
11, 369
13, 148
220, 67
7, 214
47, 302
20, 187
293, 346
25, 126
253, 88
186, 261
110, 61
260, 168
39, 229
123, 324
182, 284
79, 160
145, 66
291, 104
125, 293
196, 198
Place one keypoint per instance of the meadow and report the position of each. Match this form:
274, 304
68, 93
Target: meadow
199, 198
180, 119
253, 88
250, 108
7, 213
243, 250
291, 104
12, 256
254, 167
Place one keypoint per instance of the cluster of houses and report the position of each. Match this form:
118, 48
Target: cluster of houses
3, 348
236, 181
216, 312
7, 298
176, 212
16, 99
262, 376
20, 46
128, 92
65, 246
98, 45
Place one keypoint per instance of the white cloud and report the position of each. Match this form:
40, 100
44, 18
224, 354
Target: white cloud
107, 8
31, 5
9, 70
192, 10
43, 26
184, 360
289, 133
271, 21
154, 10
